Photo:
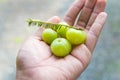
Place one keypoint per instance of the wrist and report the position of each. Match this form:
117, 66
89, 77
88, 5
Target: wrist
36, 74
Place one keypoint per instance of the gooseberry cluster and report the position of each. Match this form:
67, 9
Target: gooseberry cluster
62, 39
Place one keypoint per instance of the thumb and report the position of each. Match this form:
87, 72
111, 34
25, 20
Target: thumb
54, 19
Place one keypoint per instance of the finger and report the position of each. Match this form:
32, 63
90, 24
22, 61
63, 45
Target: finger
95, 31
86, 13
38, 33
99, 7
82, 54
73, 12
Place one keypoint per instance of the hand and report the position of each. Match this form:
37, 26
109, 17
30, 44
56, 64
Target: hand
35, 60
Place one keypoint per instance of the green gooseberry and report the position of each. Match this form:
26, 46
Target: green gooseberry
62, 30
61, 47
76, 37
48, 35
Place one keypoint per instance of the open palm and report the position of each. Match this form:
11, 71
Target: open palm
35, 60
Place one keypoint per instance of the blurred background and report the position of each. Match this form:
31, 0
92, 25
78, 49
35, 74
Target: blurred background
105, 63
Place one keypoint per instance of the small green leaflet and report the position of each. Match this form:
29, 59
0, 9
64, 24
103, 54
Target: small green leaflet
34, 22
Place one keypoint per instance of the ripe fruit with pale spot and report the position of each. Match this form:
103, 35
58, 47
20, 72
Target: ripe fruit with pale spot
61, 47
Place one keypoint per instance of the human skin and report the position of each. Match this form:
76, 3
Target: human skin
35, 60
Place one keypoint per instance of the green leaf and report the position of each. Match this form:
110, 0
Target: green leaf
34, 22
